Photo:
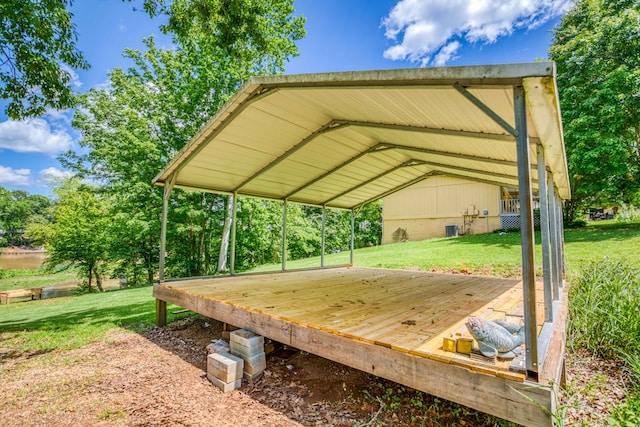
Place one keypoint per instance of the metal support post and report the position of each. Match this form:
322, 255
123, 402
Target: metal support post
324, 219
353, 233
163, 234
284, 236
555, 236
161, 306
561, 240
526, 231
234, 215
543, 195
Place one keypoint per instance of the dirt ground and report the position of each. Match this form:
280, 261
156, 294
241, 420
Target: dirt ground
158, 379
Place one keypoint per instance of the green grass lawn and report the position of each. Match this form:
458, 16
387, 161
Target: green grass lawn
43, 326
23, 279
73, 321
64, 323
494, 254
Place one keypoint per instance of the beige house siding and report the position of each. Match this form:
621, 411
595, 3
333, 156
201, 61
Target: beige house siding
426, 208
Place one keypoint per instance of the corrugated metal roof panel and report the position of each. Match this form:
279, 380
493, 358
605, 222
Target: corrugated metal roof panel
343, 138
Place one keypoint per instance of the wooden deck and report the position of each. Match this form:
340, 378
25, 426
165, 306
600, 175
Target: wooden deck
390, 323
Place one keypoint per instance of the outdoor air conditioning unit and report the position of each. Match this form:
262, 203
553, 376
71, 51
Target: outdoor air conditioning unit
451, 230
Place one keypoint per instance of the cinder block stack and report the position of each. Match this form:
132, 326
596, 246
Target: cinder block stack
218, 346
250, 348
225, 370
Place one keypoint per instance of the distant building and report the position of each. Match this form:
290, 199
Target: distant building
443, 206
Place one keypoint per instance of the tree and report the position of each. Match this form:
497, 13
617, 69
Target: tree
37, 52
38, 42
17, 210
597, 51
79, 234
261, 33
151, 110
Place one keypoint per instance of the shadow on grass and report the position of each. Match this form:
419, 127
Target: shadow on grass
120, 316
38, 327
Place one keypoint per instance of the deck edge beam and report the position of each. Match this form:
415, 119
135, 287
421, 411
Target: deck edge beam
515, 401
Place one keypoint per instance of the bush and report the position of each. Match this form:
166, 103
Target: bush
628, 213
604, 317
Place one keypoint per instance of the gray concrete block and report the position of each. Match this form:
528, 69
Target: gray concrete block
247, 338
225, 366
225, 387
218, 346
237, 348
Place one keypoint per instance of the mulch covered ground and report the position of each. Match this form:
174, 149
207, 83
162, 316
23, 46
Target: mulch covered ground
158, 379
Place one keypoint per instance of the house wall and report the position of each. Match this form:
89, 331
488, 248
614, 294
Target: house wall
426, 208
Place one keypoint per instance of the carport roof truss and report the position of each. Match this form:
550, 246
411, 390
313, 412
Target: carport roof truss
341, 140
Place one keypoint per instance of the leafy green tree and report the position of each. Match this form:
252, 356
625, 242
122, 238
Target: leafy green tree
79, 234
368, 224
151, 110
37, 51
261, 33
38, 42
17, 210
597, 51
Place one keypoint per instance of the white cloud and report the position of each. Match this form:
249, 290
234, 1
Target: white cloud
33, 136
74, 79
12, 176
54, 174
430, 31
447, 53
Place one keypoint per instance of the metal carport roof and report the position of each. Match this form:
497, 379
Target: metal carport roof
343, 139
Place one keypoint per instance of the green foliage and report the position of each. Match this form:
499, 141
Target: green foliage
628, 213
604, 298
37, 51
131, 130
79, 234
261, 33
369, 225
626, 414
196, 226
597, 51
17, 210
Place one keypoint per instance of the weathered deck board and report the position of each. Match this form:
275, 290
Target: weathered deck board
387, 322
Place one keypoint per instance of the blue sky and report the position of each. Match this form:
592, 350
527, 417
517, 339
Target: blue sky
342, 35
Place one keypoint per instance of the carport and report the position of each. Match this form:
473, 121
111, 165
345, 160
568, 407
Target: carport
341, 140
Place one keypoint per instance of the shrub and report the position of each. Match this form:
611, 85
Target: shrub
628, 213
603, 309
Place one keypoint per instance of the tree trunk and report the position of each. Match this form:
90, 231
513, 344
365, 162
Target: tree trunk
226, 235
90, 278
98, 280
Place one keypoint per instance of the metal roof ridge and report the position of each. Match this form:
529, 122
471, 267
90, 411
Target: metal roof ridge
480, 73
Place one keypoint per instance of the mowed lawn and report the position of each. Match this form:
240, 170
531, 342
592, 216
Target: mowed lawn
493, 254
69, 322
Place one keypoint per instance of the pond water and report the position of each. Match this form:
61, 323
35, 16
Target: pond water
30, 261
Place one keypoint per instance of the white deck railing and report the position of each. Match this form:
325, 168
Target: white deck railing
512, 206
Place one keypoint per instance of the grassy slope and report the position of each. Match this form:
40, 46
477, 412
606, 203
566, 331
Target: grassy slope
73, 321
64, 323
23, 279
494, 254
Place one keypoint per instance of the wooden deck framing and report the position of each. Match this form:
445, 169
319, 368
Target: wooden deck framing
390, 323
